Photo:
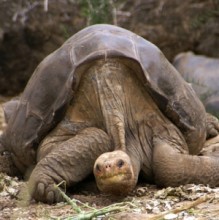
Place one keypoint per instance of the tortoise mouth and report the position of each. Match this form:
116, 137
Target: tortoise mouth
118, 184
116, 177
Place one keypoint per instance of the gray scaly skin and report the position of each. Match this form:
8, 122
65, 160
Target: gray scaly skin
71, 160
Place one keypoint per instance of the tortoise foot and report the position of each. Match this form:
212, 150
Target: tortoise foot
47, 193
43, 188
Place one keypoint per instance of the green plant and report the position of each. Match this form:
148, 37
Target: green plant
97, 11
203, 18
92, 212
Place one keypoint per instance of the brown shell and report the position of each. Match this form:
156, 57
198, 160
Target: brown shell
47, 94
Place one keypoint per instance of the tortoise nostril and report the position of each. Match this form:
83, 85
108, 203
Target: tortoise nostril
120, 163
107, 166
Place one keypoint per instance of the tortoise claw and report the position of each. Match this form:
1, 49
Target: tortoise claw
42, 188
44, 192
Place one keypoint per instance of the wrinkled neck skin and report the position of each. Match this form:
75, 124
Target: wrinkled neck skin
136, 159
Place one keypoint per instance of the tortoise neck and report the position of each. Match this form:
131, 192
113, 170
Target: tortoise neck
108, 75
134, 151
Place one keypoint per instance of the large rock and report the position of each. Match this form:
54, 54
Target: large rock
203, 74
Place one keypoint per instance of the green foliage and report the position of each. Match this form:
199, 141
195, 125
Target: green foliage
65, 30
200, 20
97, 11
92, 212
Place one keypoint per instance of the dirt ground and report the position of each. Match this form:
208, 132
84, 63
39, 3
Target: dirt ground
190, 202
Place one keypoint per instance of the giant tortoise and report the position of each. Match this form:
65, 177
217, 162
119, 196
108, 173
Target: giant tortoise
109, 101
203, 73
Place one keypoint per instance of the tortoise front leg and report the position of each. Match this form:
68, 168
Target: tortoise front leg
70, 161
173, 168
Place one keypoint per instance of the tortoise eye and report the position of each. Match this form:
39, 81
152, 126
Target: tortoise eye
120, 163
98, 168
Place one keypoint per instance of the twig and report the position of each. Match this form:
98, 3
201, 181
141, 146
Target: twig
114, 12
182, 208
68, 200
22, 13
46, 5
93, 214
83, 215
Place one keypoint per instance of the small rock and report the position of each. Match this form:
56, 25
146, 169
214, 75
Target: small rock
189, 218
170, 216
156, 210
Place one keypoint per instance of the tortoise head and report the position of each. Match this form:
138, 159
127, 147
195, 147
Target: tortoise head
114, 173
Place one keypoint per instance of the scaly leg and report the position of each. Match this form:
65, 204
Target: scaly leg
70, 161
173, 168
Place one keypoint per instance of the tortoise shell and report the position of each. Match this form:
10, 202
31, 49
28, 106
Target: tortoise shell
47, 95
